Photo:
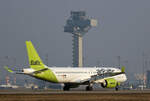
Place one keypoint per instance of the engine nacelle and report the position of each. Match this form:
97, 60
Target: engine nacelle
109, 83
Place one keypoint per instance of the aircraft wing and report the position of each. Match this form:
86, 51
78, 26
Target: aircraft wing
92, 79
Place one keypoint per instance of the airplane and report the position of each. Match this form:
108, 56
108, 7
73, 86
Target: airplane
72, 77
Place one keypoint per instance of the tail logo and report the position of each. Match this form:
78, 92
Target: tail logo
32, 62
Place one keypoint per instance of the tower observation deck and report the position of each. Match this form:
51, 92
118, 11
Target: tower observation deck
78, 25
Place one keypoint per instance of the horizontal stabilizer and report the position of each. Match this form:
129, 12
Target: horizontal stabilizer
11, 71
8, 69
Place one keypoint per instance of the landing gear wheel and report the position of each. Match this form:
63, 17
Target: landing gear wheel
89, 88
66, 88
117, 88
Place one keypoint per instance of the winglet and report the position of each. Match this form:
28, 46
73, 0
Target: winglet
8, 69
123, 69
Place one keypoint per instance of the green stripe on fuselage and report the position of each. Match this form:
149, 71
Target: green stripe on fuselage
47, 75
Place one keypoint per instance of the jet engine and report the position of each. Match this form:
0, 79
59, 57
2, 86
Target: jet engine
109, 83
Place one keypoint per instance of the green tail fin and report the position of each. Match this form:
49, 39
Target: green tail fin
123, 69
34, 60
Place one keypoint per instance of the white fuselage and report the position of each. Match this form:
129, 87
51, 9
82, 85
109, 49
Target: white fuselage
78, 75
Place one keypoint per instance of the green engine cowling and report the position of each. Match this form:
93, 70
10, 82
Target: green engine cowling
110, 83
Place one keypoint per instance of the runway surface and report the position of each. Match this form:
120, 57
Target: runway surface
49, 95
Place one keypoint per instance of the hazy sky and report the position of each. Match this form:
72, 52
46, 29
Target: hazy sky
123, 30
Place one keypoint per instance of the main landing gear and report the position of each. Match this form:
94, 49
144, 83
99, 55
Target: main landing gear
117, 88
89, 88
66, 88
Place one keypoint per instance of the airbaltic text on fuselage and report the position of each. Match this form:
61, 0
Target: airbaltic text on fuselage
96, 71
32, 62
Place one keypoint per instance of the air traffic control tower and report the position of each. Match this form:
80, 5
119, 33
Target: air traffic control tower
78, 25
